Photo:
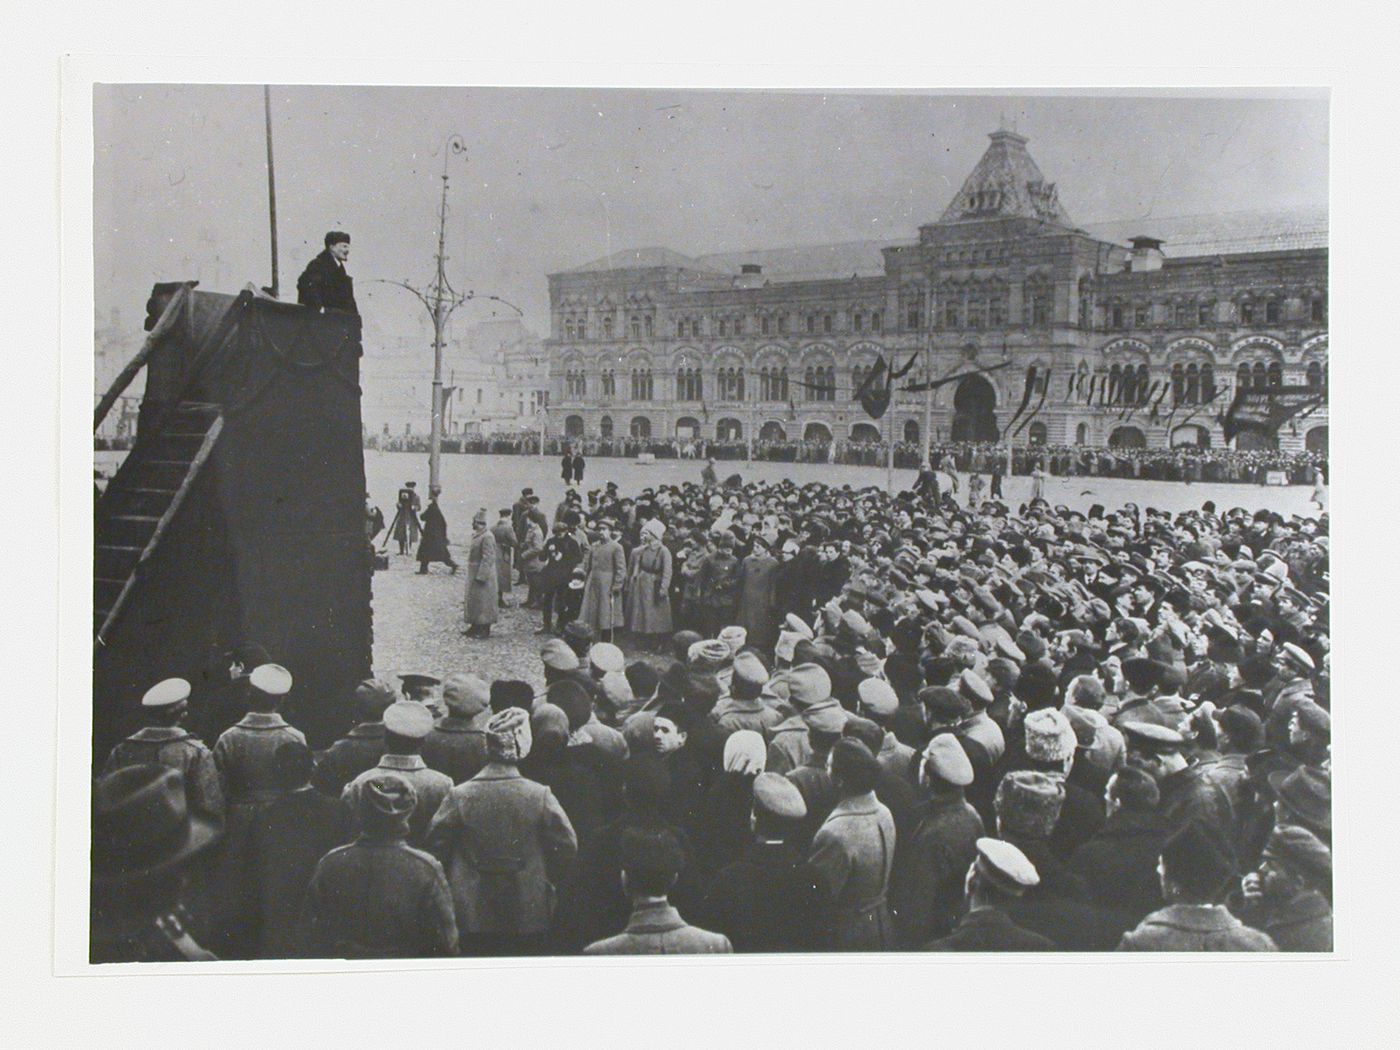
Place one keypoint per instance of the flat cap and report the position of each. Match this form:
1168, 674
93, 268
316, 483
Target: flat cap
466, 694
418, 680
777, 796
272, 679
1005, 866
606, 657
1300, 849
749, 668
878, 697
408, 718
167, 693
557, 656
945, 758
808, 684
1299, 656
825, 718
975, 688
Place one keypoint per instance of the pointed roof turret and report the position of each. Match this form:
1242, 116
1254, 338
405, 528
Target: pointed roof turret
1006, 184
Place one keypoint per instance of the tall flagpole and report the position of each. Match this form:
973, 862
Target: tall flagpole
271, 183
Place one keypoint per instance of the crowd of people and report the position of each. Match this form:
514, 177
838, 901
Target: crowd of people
849, 721
1182, 463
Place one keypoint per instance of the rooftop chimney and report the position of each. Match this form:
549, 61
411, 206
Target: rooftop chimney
1146, 255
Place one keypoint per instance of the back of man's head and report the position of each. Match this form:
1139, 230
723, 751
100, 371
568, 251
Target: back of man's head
1134, 790
651, 860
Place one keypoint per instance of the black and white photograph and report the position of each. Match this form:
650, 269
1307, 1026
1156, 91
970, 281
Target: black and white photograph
573, 522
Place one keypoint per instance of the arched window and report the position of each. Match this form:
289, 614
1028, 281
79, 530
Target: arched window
911, 431
809, 381
609, 383
605, 427
1115, 385
641, 427
1242, 378
607, 326
1315, 375
858, 374
1037, 433
1261, 376
641, 384
1144, 384
1178, 384
1275, 375
1081, 434
1207, 382
1193, 384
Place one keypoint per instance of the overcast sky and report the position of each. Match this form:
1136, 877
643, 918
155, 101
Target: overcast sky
555, 177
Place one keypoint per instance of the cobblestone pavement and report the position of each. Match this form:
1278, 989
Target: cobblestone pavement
418, 619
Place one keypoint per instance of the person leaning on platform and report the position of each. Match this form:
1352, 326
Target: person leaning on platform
324, 284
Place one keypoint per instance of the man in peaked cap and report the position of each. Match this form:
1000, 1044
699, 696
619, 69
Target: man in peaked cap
1286, 897
1144, 701
808, 686
998, 876
926, 885
1290, 689
360, 748
457, 743
406, 725
165, 741
747, 706
1188, 792
244, 753
877, 701
768, 899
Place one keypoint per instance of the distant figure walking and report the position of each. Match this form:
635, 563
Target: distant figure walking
434, 545
1319, 492
324, 284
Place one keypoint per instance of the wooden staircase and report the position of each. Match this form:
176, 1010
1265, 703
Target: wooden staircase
143, 498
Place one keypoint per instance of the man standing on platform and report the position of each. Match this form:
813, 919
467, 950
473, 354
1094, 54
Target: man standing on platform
324, 284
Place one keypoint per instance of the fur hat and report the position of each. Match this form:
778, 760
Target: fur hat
508, 736
1049, 736
384, 804
1028, 803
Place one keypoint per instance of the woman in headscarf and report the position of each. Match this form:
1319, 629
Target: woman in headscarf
483, 590
648, 594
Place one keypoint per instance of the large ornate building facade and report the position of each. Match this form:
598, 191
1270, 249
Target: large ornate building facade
1126, 334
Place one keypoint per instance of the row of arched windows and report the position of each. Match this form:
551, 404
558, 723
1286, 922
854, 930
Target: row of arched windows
690, 385
820, 383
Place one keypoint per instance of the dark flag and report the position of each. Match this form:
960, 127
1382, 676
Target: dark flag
1269, 409
874, 392
1025, 397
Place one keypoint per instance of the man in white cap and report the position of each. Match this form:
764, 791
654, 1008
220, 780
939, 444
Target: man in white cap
1290, 690
880, 703
999, 876
926, 884
406, 725
165, 741
747, 706
457, 744
244, 753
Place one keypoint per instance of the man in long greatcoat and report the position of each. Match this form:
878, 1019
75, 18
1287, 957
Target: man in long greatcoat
483, 583
505, 553
605, 575
433, 546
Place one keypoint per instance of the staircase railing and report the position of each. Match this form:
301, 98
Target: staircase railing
182, 300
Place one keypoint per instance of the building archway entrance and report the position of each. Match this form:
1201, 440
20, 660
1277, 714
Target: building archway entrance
687, 427
863, 432
1127, 437
1316, 441
772, 432
573, 427
640, 427
817, 432
729, 430
1252, 440
1191, 435
974, 411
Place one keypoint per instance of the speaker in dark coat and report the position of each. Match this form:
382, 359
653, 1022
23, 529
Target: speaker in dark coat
324, 285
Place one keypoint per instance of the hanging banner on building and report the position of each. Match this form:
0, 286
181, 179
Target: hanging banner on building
874, 392
1267, 410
